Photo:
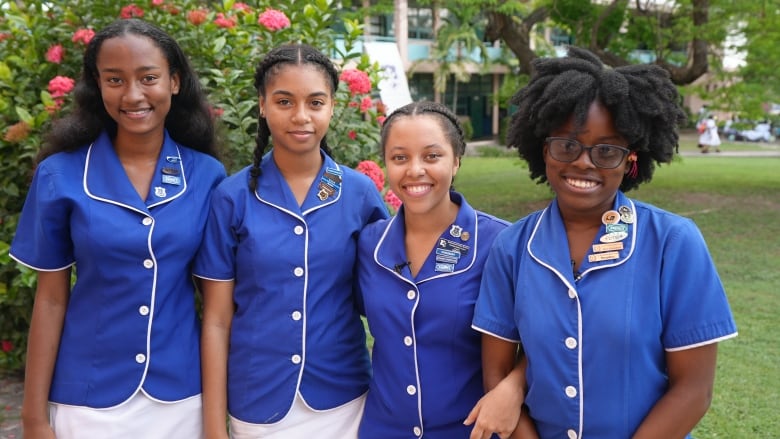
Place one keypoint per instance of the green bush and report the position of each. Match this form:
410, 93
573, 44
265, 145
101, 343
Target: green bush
41, 40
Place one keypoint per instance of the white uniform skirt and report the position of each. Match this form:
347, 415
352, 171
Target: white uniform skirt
139, 417
303, 422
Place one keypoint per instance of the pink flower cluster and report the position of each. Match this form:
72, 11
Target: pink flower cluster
357, 81
55, 54
197, 16
130, 11
84, 35
392, 199
273, 19
225, 22
7, 345
374, 172
59, 86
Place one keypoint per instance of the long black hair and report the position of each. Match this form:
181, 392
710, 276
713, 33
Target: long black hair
287, 54
189, 121
642, 100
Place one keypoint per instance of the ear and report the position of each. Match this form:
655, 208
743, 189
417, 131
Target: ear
175, 82
456, 166
261, 106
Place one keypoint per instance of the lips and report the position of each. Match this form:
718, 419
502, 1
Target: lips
137, 113
580, 183
417, 189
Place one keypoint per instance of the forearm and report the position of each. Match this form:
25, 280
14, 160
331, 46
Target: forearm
675, 414
42, 346
214, 353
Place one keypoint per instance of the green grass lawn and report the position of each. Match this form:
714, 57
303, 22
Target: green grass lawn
735, 201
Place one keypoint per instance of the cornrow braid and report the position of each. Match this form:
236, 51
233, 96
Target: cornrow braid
643, 101
450, 124
287, 54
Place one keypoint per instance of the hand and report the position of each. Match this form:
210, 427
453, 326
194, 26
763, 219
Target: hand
525, 428
496, 412
38, 431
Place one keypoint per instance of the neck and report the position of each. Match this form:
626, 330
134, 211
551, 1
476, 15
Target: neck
297, 164
138, 148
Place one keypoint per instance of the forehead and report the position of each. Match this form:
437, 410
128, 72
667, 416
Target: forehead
598, 122
130, 49
305, 79
418, 130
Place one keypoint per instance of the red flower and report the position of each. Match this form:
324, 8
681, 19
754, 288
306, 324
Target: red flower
352, 134
373, 171
357, 80
197, 16
157, 2
366, 103
216, 112
54, 54
273, 19
381, 120
226, 22
84, 35
4, 36
7, 346
131, 10
243, 7
60, 86
392, 199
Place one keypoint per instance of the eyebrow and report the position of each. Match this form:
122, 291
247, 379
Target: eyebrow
289, 93
140, 69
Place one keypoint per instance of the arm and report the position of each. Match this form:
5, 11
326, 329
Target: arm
51, 302
691, 380
499, 410
217, 318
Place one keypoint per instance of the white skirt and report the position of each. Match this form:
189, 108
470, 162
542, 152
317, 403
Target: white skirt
139, 417
303, 422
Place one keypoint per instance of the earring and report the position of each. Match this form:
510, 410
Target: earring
633, 170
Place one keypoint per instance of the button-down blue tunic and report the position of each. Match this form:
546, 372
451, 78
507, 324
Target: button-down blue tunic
296, 327
130, 321
426, 358
596, 345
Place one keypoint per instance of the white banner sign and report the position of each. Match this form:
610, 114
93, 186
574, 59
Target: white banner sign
393, 88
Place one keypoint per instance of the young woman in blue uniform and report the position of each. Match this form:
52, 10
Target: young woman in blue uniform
284, 349
419, 275
617, 303
119, 199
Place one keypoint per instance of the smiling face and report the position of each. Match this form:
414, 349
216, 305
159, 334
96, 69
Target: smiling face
136, 86
580, 186
421, 164
298, 106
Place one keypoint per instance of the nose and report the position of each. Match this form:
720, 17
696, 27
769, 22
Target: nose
416, 168
301, 115
134, 91
584, 160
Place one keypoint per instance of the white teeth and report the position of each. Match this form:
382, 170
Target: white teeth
137, 113
582, 184
416, 189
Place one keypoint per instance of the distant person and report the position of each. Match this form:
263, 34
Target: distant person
709, 138
616, 303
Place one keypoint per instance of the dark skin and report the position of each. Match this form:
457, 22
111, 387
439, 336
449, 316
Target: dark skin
583, 193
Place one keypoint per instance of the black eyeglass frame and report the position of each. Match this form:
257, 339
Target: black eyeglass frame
625, 151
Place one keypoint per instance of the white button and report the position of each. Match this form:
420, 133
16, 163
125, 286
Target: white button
411, 294
572, 434
296, 359
296, 315
572, 294
143, 310
140, 358
148, 263
298, 272
408, 340
417, 431
147, 221
571, 343
411, 390
298, 230
571, 392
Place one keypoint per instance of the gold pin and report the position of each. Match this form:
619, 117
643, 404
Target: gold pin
610, 246
608, 256
610, 217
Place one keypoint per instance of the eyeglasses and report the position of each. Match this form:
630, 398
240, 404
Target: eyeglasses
602, 155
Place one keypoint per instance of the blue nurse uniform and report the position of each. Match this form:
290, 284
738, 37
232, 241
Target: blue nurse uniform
596, 340
130, 323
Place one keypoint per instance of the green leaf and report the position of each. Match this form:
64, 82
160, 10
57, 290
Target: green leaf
25, 116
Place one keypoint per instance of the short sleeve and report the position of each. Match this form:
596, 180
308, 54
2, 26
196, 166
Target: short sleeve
494, 310
216, 258
42, 240
695, 310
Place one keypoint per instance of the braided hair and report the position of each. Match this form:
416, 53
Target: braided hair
453, 130
642, 100
189, 121
287, 54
